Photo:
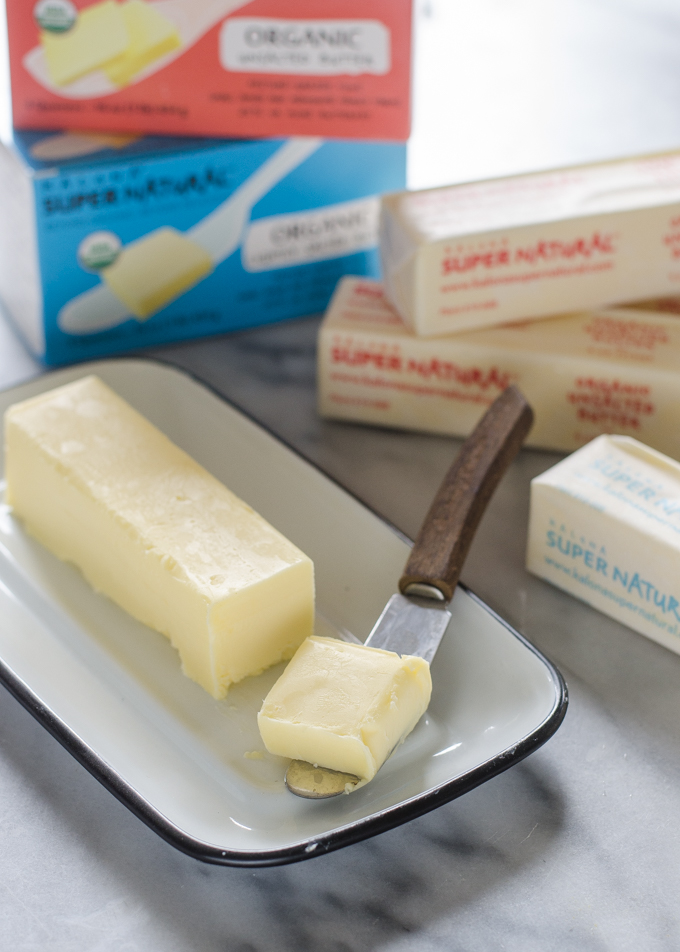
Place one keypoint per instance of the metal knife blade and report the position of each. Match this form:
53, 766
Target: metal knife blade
410, 626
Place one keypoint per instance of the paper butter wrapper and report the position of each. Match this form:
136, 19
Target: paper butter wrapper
584, 374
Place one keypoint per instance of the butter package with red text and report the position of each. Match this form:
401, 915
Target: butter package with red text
528, 246
585, 374
332, 68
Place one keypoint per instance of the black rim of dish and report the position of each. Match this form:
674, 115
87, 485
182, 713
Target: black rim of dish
341, 836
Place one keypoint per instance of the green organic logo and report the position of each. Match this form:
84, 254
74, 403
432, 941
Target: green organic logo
55, 16
98, 250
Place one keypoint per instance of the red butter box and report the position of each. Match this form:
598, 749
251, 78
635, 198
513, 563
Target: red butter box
333, 68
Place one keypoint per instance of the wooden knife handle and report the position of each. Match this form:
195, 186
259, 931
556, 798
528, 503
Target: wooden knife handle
438, 555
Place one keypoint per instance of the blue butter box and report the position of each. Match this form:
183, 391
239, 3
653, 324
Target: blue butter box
113, 242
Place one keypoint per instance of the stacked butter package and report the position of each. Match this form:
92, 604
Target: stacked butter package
129, 219
518, 280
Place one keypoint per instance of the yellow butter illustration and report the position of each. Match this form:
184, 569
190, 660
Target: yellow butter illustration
155, 269
151, 36
119, 38
98, 36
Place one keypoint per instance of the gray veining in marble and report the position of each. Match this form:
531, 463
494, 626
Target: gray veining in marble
574, 849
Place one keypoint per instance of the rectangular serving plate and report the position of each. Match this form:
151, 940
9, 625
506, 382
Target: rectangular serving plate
194, 769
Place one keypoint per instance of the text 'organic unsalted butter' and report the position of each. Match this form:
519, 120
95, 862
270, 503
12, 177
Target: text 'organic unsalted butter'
605, 526
344, 706
101, 487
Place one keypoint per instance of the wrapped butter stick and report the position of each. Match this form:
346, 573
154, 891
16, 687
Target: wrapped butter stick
488, 252
605, 526
584, 374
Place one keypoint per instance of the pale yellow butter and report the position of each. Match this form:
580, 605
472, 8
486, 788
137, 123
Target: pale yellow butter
98, 36
100, 486
155, 269
151, 36
344, 706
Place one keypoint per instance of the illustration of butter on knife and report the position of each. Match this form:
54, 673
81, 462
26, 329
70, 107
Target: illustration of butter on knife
155, 269
102, 48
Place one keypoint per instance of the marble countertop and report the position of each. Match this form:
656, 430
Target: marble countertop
574, 848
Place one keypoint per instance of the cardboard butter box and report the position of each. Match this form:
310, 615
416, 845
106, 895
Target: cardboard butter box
486, 253
584, 374
604, 526
109, 243
213, 67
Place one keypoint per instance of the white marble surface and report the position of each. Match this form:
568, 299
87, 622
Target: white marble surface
575, 848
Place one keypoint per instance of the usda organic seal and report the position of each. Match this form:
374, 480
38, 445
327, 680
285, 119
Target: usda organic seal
98, 250
56, 16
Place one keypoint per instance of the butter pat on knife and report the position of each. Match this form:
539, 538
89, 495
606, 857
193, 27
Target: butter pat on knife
100, 486
344, 706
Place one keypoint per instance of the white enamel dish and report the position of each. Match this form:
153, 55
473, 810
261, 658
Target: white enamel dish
194, 769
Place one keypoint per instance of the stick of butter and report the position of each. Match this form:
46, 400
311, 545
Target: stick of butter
98, 36
100, 486
344, 706
584, 374
604, 526
155, 269
151, 36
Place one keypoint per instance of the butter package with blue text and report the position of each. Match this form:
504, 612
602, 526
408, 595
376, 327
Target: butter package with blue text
110, 243
604, 526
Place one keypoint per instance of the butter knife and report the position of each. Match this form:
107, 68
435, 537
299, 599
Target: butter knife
414, 621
